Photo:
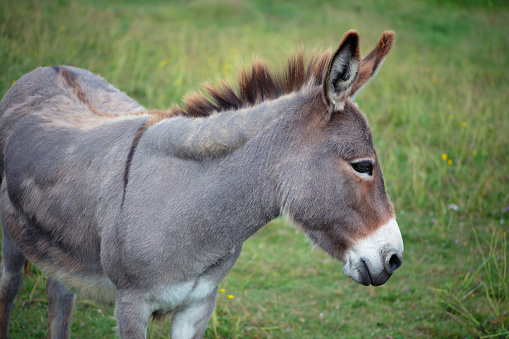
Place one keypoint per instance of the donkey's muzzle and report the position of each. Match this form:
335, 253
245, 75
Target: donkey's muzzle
374, 259
392, 261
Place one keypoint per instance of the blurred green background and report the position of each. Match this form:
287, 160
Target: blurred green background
440, 118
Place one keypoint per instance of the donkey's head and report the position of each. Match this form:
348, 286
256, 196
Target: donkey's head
331, 182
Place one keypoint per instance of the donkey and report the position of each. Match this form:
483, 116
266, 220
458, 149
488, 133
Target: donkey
149, 209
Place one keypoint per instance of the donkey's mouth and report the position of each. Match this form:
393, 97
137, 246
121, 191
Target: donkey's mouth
364, 277
360, 272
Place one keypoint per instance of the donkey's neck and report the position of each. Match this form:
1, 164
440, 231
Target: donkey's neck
214, 136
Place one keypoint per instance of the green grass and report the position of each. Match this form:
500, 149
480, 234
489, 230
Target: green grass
443, 90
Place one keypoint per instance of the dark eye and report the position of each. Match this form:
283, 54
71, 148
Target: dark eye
363, 167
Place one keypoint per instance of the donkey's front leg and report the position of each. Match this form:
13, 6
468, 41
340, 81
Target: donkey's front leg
61, 303
191, 320
132, 314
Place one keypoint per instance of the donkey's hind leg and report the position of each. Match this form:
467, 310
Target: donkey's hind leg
61, 304
11, 280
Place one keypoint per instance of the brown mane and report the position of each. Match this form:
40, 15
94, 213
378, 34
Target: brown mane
255, 87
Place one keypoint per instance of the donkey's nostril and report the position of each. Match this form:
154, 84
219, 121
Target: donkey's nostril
395, 262
392, 260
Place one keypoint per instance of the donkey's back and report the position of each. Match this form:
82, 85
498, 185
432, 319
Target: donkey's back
61, 96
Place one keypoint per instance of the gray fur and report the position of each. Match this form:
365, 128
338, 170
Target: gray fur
197, 189
60, 304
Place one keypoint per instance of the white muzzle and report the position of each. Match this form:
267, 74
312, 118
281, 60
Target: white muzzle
372, 260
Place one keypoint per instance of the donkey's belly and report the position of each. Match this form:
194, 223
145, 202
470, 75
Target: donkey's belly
56, 248
79, 274
67, 251
96, 287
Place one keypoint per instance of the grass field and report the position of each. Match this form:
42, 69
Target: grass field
439, 110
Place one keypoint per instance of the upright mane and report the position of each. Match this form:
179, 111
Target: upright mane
254, 87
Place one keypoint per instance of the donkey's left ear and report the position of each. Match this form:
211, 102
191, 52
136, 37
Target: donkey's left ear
371, 63
342, 71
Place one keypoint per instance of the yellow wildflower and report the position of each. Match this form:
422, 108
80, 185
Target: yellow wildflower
474, 152
449, 162
164, 62
222, 290
444, 156
463, 123
230, 296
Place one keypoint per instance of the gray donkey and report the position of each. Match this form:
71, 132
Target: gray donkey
149, 209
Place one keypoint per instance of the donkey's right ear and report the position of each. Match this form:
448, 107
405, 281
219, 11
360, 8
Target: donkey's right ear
342, 71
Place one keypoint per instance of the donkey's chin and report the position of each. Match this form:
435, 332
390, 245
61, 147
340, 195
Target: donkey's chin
372, 260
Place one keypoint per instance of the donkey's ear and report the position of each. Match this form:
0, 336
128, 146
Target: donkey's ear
372, 62
342, 71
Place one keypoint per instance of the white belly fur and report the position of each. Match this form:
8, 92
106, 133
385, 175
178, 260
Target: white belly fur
163, 298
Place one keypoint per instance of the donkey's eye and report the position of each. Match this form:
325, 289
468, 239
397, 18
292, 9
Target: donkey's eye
363, 167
